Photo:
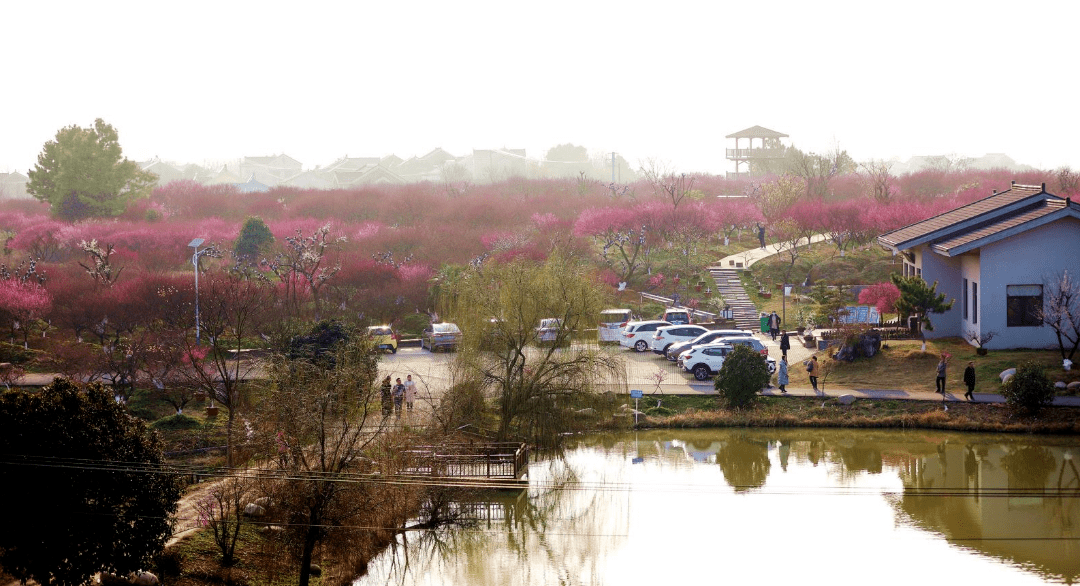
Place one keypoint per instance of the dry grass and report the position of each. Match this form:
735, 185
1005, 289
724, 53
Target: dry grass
810, 412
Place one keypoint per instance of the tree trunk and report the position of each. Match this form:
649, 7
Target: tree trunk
305, 558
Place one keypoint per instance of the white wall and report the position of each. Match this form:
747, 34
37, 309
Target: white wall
1032, 257
969, 269
946, 271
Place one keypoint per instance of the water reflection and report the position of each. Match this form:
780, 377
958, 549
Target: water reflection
850, 505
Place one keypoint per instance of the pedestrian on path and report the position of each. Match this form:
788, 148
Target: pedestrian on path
410, 393
969, 380
941, 367
761, 235
387, 397
812, 370
785, 344
399, 397
782, 374
774, 325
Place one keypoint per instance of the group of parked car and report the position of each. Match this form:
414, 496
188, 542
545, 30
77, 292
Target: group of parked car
440, 336
694, 348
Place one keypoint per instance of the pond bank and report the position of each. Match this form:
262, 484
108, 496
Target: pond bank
802, 411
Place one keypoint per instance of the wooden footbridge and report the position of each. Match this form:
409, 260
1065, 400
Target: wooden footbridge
492, 464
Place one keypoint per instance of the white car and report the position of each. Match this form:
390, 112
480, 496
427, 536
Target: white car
704, 361
549, 331
638, 334
668, 335
612, 322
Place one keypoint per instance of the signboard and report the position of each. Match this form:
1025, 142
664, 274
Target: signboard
861, 314
636, 394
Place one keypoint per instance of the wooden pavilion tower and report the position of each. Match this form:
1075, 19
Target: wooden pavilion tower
769, 148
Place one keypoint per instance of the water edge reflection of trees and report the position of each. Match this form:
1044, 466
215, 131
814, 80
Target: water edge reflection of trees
1005, 497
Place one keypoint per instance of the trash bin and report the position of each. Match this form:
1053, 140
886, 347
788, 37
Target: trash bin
764, 323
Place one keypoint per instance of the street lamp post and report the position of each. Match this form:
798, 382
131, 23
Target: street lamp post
196, 243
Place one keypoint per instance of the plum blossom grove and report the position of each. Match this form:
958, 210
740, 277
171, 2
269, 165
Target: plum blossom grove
374, 251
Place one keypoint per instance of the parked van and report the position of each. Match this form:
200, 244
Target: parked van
676, 316
612, 321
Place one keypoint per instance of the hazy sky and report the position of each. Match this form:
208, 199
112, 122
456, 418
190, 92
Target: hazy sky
203, 81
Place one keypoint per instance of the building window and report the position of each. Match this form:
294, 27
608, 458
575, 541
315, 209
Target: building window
1024, 305
974, 302
965, 298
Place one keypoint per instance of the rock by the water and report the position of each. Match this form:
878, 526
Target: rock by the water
846, 399
254, 510
1060, 385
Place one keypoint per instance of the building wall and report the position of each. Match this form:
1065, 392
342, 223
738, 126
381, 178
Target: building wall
1029, 258
969, 269
946, 271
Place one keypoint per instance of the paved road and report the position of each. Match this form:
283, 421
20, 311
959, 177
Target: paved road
646, 371
432, 373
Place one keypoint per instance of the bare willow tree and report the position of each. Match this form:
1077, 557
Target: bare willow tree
534, 383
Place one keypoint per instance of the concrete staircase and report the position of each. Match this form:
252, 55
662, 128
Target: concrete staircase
727, 284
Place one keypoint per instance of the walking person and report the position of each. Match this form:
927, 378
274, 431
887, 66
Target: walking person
941, 366
785, 344
398, 393
761, 235
782, 374
410, 393
774, 325
812, 370
969, 380
387, 398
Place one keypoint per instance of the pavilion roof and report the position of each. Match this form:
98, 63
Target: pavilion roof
757, 132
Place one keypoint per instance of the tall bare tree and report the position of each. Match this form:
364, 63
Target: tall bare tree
233, 309
1061, 312
319, 428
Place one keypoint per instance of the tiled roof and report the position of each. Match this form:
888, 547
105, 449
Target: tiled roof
1028, 215
991, 207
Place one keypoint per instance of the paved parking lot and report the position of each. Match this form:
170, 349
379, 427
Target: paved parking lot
645, 370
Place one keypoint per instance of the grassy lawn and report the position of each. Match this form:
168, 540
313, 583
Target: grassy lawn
902, 365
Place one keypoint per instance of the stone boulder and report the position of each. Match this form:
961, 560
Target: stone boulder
868, 344
1073, 387
254, 511
1060, 385
145, 579
1006, 374
846, 399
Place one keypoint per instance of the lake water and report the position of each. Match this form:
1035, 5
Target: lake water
756, 506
